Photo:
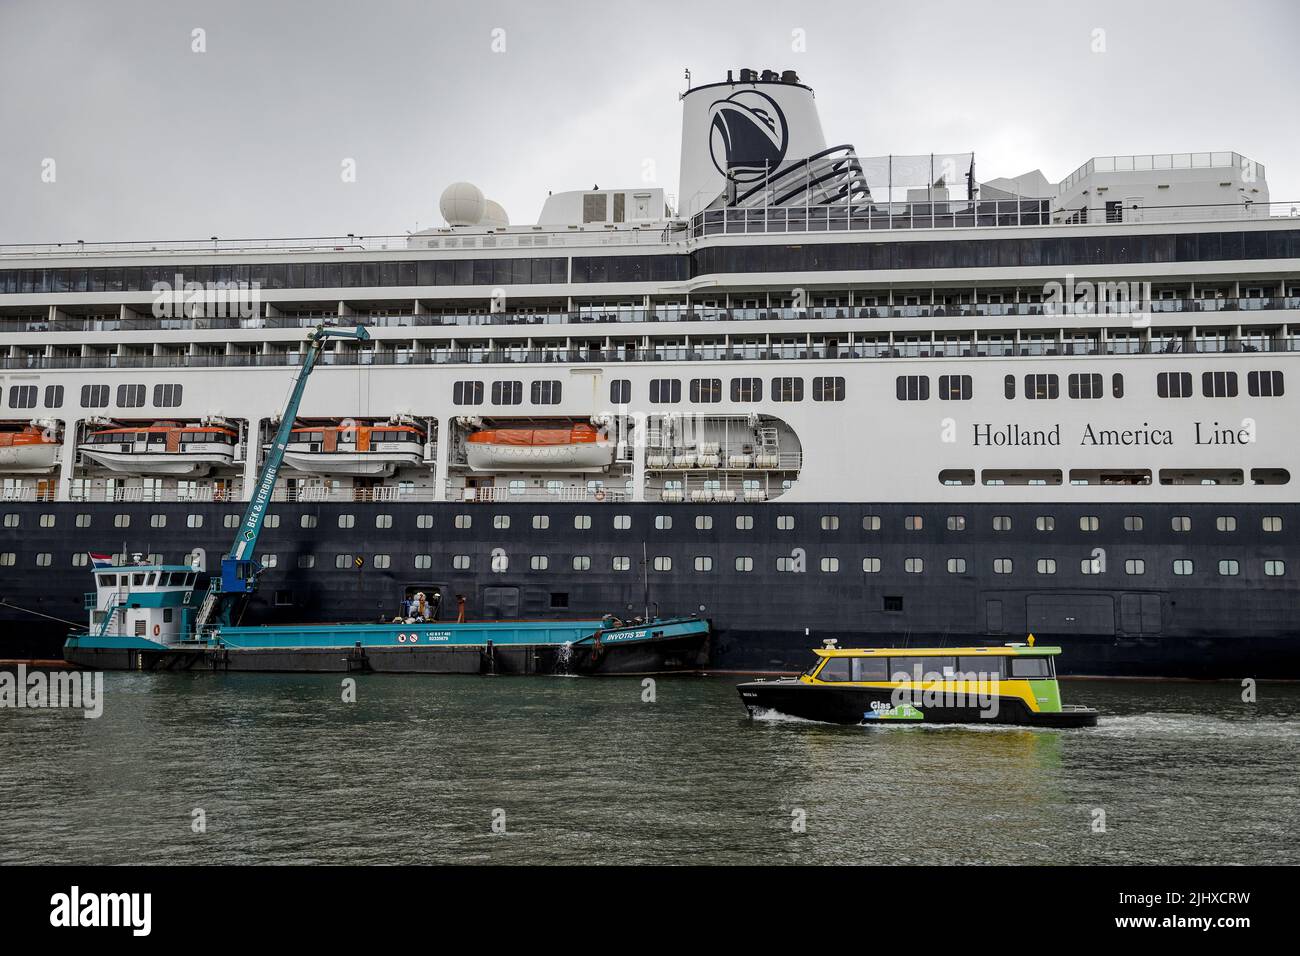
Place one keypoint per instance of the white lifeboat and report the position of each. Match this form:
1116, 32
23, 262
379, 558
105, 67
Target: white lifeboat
163, 448
360, 450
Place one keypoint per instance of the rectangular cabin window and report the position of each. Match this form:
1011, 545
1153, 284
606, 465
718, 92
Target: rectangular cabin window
130, 396
1084, 386
746, 389
828, 389
620, 391
546, 392
594, 207
787, 389
467, 393
1219, 384
1174, 384
1042, 386
1261, 384
954, 388
912, 388
665, 391
706, 390
507, 393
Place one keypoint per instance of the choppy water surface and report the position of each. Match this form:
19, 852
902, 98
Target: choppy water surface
585, 771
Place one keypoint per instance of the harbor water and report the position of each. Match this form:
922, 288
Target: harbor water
256, 769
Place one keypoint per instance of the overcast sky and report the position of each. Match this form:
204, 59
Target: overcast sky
151, 140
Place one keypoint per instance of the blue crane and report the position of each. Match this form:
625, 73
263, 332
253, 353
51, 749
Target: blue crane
239, 567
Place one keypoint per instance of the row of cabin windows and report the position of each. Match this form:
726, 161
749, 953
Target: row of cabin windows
547, 392
623, 522
1091, 385
930, 669
96, 396
1260, 384
663, 391
1227, 567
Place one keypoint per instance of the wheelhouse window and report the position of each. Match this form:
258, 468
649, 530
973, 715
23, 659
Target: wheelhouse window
835, 669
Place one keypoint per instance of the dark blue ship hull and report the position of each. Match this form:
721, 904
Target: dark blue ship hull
1205, 624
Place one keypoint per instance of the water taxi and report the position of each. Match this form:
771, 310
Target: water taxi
1005, 684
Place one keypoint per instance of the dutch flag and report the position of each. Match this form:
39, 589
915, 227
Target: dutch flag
100, 561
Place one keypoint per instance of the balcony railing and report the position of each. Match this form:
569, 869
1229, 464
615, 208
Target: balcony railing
610, 316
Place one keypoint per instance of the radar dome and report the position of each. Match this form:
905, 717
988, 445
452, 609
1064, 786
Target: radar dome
494, 216
462, 204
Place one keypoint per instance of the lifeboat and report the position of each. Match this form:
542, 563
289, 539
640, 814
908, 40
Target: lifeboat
359, 450
575, 448
163, 448
29, 450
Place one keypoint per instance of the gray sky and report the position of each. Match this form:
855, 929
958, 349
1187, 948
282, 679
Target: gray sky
154, 141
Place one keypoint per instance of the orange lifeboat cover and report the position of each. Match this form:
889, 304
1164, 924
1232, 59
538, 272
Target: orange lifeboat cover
581, 434
30, 435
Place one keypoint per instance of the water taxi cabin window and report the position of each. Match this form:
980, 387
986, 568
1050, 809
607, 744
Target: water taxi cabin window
835, 669
981, 668
929, 668
1031, 667
870, 668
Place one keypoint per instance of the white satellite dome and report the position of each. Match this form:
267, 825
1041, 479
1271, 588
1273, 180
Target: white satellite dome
494, 215
462, 204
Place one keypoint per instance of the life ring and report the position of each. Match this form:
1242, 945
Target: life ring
156, 630
600, 494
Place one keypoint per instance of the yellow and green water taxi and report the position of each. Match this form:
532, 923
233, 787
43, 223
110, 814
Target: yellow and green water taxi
1001, 684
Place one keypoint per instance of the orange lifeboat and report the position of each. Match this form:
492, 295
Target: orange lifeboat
574, 448
28, 450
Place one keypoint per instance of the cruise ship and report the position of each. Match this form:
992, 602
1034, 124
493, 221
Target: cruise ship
817, 393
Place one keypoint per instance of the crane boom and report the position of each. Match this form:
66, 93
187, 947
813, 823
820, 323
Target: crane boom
239, 568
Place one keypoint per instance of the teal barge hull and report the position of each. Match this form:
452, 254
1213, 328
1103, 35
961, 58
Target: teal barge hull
496, 647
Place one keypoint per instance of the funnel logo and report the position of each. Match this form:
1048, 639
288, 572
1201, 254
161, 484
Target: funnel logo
749, 136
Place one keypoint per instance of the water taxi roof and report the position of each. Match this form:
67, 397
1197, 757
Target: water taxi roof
996, 650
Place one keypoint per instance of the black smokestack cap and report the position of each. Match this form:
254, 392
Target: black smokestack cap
789, 76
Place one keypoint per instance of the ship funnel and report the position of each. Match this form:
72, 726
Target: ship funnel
738, 134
